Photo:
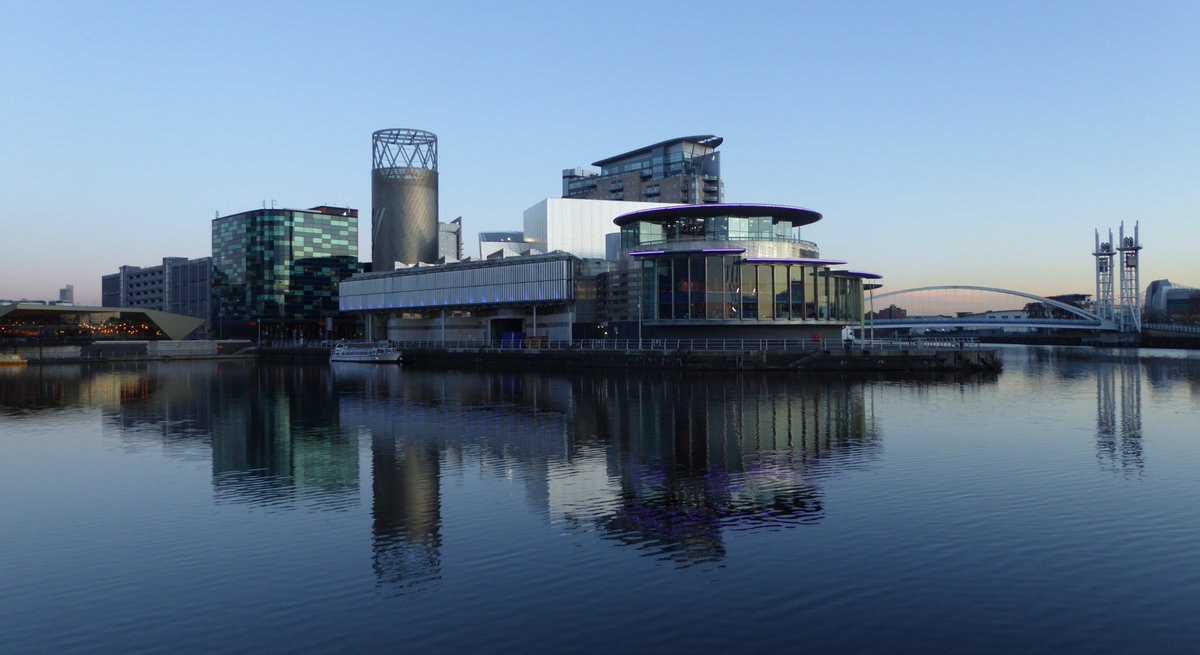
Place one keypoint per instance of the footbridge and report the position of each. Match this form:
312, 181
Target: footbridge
961, 306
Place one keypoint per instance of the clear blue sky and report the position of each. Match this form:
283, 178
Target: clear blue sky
945, 142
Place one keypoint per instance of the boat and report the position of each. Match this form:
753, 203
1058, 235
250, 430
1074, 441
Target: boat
11, 360
364, 352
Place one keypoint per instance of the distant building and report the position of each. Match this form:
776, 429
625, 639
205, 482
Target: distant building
889, 313
685, 170
276, 271
997, 315
450, 240
1044, 310
66, 295
177, 285
1167, 302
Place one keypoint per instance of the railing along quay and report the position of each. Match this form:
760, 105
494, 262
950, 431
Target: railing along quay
913, 354
692, 345
1172, 327
670, 345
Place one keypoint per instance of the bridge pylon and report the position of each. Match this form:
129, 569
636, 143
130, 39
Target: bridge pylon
1104, 277
1129, 313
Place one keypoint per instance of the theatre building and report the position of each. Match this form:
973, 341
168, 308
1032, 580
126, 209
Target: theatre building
705, 271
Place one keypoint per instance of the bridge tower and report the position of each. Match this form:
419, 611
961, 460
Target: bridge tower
1129, 314
1104, 277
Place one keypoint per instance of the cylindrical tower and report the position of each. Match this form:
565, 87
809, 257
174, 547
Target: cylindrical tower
404, 198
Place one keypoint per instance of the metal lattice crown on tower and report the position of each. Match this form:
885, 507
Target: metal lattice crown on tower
397, 152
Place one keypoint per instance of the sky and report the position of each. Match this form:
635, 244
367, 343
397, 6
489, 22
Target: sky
957, 142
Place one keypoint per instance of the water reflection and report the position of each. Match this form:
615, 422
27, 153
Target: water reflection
666, 463
699, 456
278, 437
1119, 415
272, 432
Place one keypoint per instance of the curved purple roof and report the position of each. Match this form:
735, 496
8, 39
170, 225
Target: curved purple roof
863, 274
794, 260
797, 215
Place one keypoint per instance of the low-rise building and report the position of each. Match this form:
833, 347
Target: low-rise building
178, 285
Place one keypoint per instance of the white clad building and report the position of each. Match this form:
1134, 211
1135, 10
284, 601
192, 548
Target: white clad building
577, 226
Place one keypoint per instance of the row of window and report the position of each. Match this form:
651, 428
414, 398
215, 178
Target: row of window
719, 228
693, 287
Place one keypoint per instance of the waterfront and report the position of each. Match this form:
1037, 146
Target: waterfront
240, 507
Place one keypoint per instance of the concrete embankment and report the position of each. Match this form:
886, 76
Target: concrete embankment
133, 351
974, 359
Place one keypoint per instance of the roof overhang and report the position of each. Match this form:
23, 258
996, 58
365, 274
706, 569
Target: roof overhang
175, 326
796, 215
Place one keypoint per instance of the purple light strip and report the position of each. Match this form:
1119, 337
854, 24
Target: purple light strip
645, 253
771, 260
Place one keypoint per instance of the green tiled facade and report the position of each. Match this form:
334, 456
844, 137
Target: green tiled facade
281, 268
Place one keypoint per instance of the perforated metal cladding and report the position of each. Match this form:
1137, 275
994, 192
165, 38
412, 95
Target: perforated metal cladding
519, 282
404, 217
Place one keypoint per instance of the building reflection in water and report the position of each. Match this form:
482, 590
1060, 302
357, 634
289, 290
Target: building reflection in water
696, 457
272, 432
278, 438
418, 422
1119, 414
665, 463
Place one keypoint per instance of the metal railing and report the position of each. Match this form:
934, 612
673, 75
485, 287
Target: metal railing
660, 345
690, 345
1172, 327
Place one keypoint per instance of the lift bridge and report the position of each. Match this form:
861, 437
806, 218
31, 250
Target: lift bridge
1115, 309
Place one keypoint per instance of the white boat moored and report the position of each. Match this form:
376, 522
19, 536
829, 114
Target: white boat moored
364, 352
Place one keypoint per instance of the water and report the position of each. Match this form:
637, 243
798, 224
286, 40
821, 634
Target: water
232, 507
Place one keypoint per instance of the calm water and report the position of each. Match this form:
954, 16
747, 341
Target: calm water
232, 507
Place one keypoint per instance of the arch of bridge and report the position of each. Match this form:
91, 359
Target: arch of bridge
1082, 313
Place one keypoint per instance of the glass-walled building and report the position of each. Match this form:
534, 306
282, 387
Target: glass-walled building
276, 271
731, 270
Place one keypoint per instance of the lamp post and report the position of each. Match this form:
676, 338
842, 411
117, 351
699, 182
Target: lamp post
639, 310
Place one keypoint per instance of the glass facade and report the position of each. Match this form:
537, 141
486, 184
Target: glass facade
717, 228
697, 286
736, 262
281, 265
